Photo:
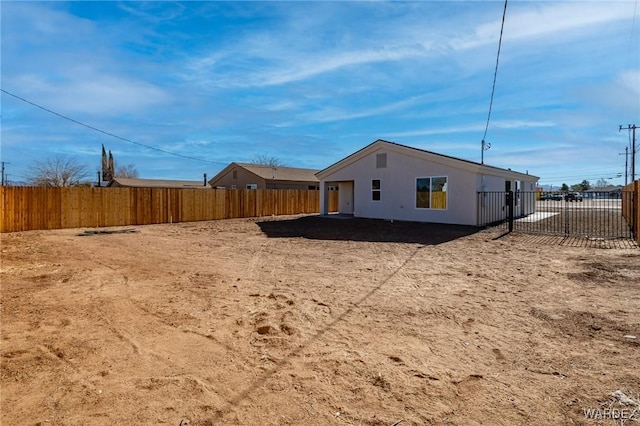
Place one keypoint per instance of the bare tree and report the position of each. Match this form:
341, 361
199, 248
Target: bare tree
57, 171
266, 160
128, 171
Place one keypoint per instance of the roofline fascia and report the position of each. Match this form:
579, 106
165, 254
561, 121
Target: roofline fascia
456, 162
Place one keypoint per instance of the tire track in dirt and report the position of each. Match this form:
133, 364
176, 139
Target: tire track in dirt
247, 392
125, 316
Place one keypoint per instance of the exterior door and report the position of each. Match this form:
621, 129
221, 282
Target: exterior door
345, 197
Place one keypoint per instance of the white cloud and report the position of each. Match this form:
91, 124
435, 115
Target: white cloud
268, 58
507, 124
329, 114
545, 19
92, 94
282, 67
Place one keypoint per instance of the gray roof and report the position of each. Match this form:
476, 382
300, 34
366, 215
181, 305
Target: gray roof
608, 188
157, 183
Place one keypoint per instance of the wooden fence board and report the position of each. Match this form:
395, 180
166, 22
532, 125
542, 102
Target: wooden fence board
631, 207
30, 208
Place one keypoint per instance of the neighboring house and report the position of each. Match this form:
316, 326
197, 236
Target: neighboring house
257, 176
603, 192
158, 183
386, 180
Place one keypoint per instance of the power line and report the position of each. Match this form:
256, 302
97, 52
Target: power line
486, 146
614, 175
108, 133
20, 152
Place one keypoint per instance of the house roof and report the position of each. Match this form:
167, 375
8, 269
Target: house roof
157, 183
271, 173
417, 152
609, 188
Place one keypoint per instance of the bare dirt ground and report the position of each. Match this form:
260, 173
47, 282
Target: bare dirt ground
305, 320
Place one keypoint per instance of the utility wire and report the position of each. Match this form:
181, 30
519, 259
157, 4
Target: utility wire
583, 176
495, 73
108, 133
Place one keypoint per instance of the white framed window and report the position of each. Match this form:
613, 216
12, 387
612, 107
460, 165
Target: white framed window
431, 192
376, 191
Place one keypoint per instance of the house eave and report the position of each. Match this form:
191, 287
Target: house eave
425, 155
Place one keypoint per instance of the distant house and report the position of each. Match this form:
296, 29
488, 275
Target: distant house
603, 192
386, 180
157, 183
257, 176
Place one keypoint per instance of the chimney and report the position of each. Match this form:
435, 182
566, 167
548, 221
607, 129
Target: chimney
205, 179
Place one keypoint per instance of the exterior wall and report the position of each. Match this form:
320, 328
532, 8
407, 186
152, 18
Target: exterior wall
403, 165
244, 178
324, 198
345, 197
493, 206
398, 189
289, 184
527, 199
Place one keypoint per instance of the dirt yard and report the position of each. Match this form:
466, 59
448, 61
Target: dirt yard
313, 321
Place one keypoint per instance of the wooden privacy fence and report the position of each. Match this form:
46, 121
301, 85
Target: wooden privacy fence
631, 208
30, 208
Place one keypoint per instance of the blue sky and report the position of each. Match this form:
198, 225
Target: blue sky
312, 82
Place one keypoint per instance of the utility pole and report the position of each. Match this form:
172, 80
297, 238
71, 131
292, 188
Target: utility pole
485, 147
2, 173
632, 127
626, 163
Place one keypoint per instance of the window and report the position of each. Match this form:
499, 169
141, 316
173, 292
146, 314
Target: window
381, 161
431, 193
235, 174
375, 189
252, 186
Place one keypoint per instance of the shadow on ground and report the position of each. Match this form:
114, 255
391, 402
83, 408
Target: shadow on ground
371, 230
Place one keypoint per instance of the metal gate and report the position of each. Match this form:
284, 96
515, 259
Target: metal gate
589, 214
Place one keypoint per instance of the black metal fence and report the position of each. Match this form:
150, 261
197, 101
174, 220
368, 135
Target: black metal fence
590, 214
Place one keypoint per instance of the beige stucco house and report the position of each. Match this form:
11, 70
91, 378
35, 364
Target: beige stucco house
257, 176
386, 180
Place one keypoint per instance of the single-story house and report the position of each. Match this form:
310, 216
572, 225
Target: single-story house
157, 183
386, 180
258, 176
603, 192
